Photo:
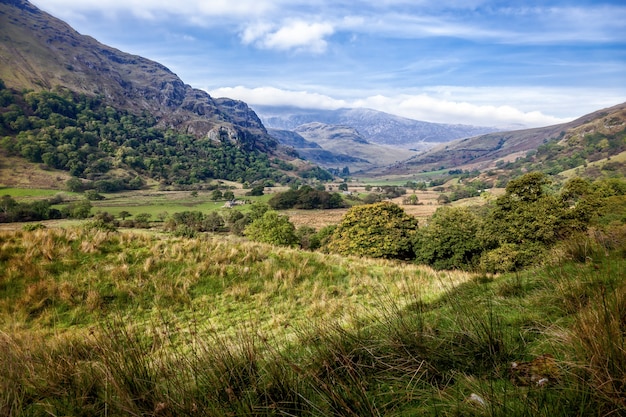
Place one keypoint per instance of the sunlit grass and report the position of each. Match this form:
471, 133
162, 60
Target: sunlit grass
147, 324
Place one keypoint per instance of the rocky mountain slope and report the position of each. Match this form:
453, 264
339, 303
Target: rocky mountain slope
40, 52
374, 126
485, 151
337, 146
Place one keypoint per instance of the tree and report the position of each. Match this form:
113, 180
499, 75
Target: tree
213, 222
124, 214
272, 228
412, 200
143, 220
380, 230
79, 209
343, 186
256, 191
449, 240
216, 195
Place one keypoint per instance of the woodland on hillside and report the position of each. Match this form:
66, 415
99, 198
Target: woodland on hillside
93, 142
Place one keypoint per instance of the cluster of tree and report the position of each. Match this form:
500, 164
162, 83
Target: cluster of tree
307, 198
317, 173
553, 157
384, 192
343, 173
260, 223
510, 233
12, 211
80, 134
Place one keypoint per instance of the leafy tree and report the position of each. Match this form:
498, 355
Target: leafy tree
411, 200
79, 209
257, 210
284, 200
306, 198
124, 214
308, 238
380, 230
216, 195
449, 241
443, 199
343, 186
524, 214
213, 222
256, 191
228, 195
93, 195
272, 228
143, 220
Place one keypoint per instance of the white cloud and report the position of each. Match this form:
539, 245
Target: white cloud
455, 105
294, 34
194, 10
276, 97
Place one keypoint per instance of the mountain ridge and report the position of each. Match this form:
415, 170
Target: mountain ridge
41, 52
483, 151
373, 125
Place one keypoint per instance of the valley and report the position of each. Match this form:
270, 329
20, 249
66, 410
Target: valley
164, 252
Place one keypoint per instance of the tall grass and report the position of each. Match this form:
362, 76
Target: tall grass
122, 324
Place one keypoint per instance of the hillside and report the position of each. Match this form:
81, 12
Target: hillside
338, 146
313, 152
482, 152
40, 52
54, 78
120, 324
374, 126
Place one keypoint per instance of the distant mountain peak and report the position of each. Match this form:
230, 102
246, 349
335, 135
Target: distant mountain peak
372, 125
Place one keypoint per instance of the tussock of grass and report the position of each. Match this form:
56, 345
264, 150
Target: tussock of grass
123, 324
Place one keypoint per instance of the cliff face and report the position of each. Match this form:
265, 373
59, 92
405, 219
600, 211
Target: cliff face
40, 52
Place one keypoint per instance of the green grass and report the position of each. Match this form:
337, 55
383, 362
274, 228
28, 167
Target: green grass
134, 324
27, 193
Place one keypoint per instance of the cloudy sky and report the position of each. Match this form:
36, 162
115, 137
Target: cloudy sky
481, 62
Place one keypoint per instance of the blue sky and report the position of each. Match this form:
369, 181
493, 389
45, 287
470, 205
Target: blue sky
492, 63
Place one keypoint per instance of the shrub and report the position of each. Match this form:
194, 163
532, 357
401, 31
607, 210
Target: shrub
272, 228
381, 230
449, 240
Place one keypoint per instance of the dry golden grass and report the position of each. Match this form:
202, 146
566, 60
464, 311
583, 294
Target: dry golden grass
19, 173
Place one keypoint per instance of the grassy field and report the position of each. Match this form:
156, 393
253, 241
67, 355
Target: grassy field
34, 193
104, 323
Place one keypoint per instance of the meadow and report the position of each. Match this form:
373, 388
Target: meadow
126, 323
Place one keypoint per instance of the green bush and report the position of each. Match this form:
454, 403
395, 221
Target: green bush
449, 241
381, 230
272, 228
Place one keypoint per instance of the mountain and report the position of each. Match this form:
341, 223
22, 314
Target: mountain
116, 120
595, 136
39, 52
374, 126
343, 146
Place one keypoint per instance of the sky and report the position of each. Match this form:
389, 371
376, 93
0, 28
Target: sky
485, 63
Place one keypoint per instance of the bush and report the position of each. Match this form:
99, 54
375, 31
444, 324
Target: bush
449, 240
381, 230
272, 228
511, 257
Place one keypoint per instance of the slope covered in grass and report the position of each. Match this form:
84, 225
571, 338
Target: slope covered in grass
98, 323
